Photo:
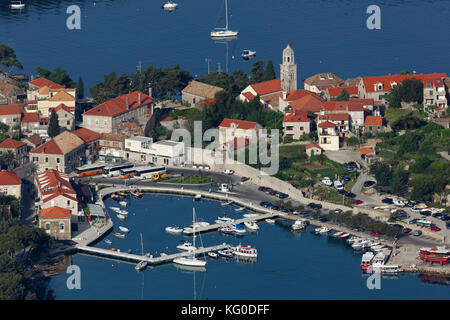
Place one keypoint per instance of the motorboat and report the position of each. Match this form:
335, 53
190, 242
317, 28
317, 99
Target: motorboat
17, 5
251, 225
224, 33
224, 219
247, 54
198, 197
136, 194
366, 261
338, 234
107, 241
212, 254
123, 212
123, 229
240, 209
115, 209
250, 215
116, 197
298, 225
170, 6
377, 248
227, 253
344, 236
191, 260
322, 230
226, 203
239, 229
245, 251
227, 230
122, 193
353, 239
174, 229
119, 235
386, 269
141, 265
121, 217
123, 203
185, 246
271, 221
200, 224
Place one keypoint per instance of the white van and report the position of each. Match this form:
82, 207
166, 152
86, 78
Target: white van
338, 185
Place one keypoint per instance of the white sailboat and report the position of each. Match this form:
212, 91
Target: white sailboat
224, 33
170, 6
191, 260
17, 5
142, 264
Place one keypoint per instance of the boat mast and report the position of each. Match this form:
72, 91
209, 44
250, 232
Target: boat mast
226, 14
142, 245
193, 226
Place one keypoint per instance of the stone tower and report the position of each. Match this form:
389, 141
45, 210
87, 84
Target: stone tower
288, 70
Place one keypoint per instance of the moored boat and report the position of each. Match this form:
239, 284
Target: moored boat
245, 251
115, 209
298, 225
107, 241
224, 219
271, 221
136, 194
239, 229
185, 246
366, 261
227, 230
251, 225
174, 229
227, 253
198, 197
240, 209
226, 203
123, 203
338, 234
121, 217
213, 254
124, 229
344, 236
119, 235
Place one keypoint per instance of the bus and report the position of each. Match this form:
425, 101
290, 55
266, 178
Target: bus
89, 170
127, 173
114, 171
147, 172
424, 223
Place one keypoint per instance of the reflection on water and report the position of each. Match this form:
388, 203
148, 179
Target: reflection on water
435, 279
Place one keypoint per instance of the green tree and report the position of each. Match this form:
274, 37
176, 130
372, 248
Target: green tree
53, 125
343, 96
352, 141
80, 88
269, 73
257, 71
8, 58
58, 75
382, 172
399, 182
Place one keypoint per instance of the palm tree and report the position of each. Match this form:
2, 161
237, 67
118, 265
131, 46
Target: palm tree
8, 159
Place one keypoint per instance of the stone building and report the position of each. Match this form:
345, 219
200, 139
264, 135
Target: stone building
17, 148
196, 91
56, 222
10, 184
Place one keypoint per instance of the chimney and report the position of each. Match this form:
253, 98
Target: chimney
139, 97
284, 95
128, 105
150, 92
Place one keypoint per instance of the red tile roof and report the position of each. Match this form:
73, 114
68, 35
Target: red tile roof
118, 105
387, 81
373, 121
334, 92
299, 116
8, 178
30, 117
266, 87
41, 82
366, 150
9, 143
334, 117
58, 193
298, 94
207, 102
87, 135
326, 124
312, 103
313, 145
248, 95
349, 106
11, 109
50, 147
61, 106
55, 213
240, 124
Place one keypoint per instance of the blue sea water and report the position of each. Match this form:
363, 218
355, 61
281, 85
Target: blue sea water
327, 36
290, 265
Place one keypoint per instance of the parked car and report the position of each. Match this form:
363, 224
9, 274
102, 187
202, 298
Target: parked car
406, 230
305, 212
337, 210
343, 191
264, 204
338, 185
243, 179
435, 228
357, 201
387, 200
351, 195
426, 212
417, 233
282, 195
314, 206
413, 221
447, 225
327, 181
346, 179
228, 171
369, 183
375, 233
323, 218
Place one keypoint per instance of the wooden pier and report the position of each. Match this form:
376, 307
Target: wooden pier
151, 260
215, 226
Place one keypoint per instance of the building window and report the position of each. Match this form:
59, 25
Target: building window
47, 226
61, 226
46, 159
166, 161
68, 123
57, 160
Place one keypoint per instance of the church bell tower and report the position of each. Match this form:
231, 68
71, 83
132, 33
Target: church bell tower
288, 70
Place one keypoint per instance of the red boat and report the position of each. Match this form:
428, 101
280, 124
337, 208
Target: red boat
439, 254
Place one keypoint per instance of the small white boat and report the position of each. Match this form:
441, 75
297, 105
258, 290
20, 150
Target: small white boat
240, 209
141, 265
250, 215
374, 244
246, 54
337, 234
16, 5
174, 229
121, 217
115, 209
271, 221
223, 219
123, 229
227, 253
123, 212
119, 235
353, 239
226, 203
186, 246
213, 254
227, 230
322, 230
107, 241
251, 225
170, 6
344, 236
245, 251
298, 225
123, 203
239, 228
377, 248
198, 197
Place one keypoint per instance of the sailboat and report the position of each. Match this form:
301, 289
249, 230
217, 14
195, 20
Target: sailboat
142, 264
224, 33
191, 260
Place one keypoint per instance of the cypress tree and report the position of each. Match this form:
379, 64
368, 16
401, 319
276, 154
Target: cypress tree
53, 125
269, 73
80, 88
257, 72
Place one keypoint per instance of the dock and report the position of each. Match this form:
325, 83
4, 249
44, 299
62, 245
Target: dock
216, 226
151, 260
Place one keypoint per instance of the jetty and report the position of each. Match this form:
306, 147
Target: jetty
151, 260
